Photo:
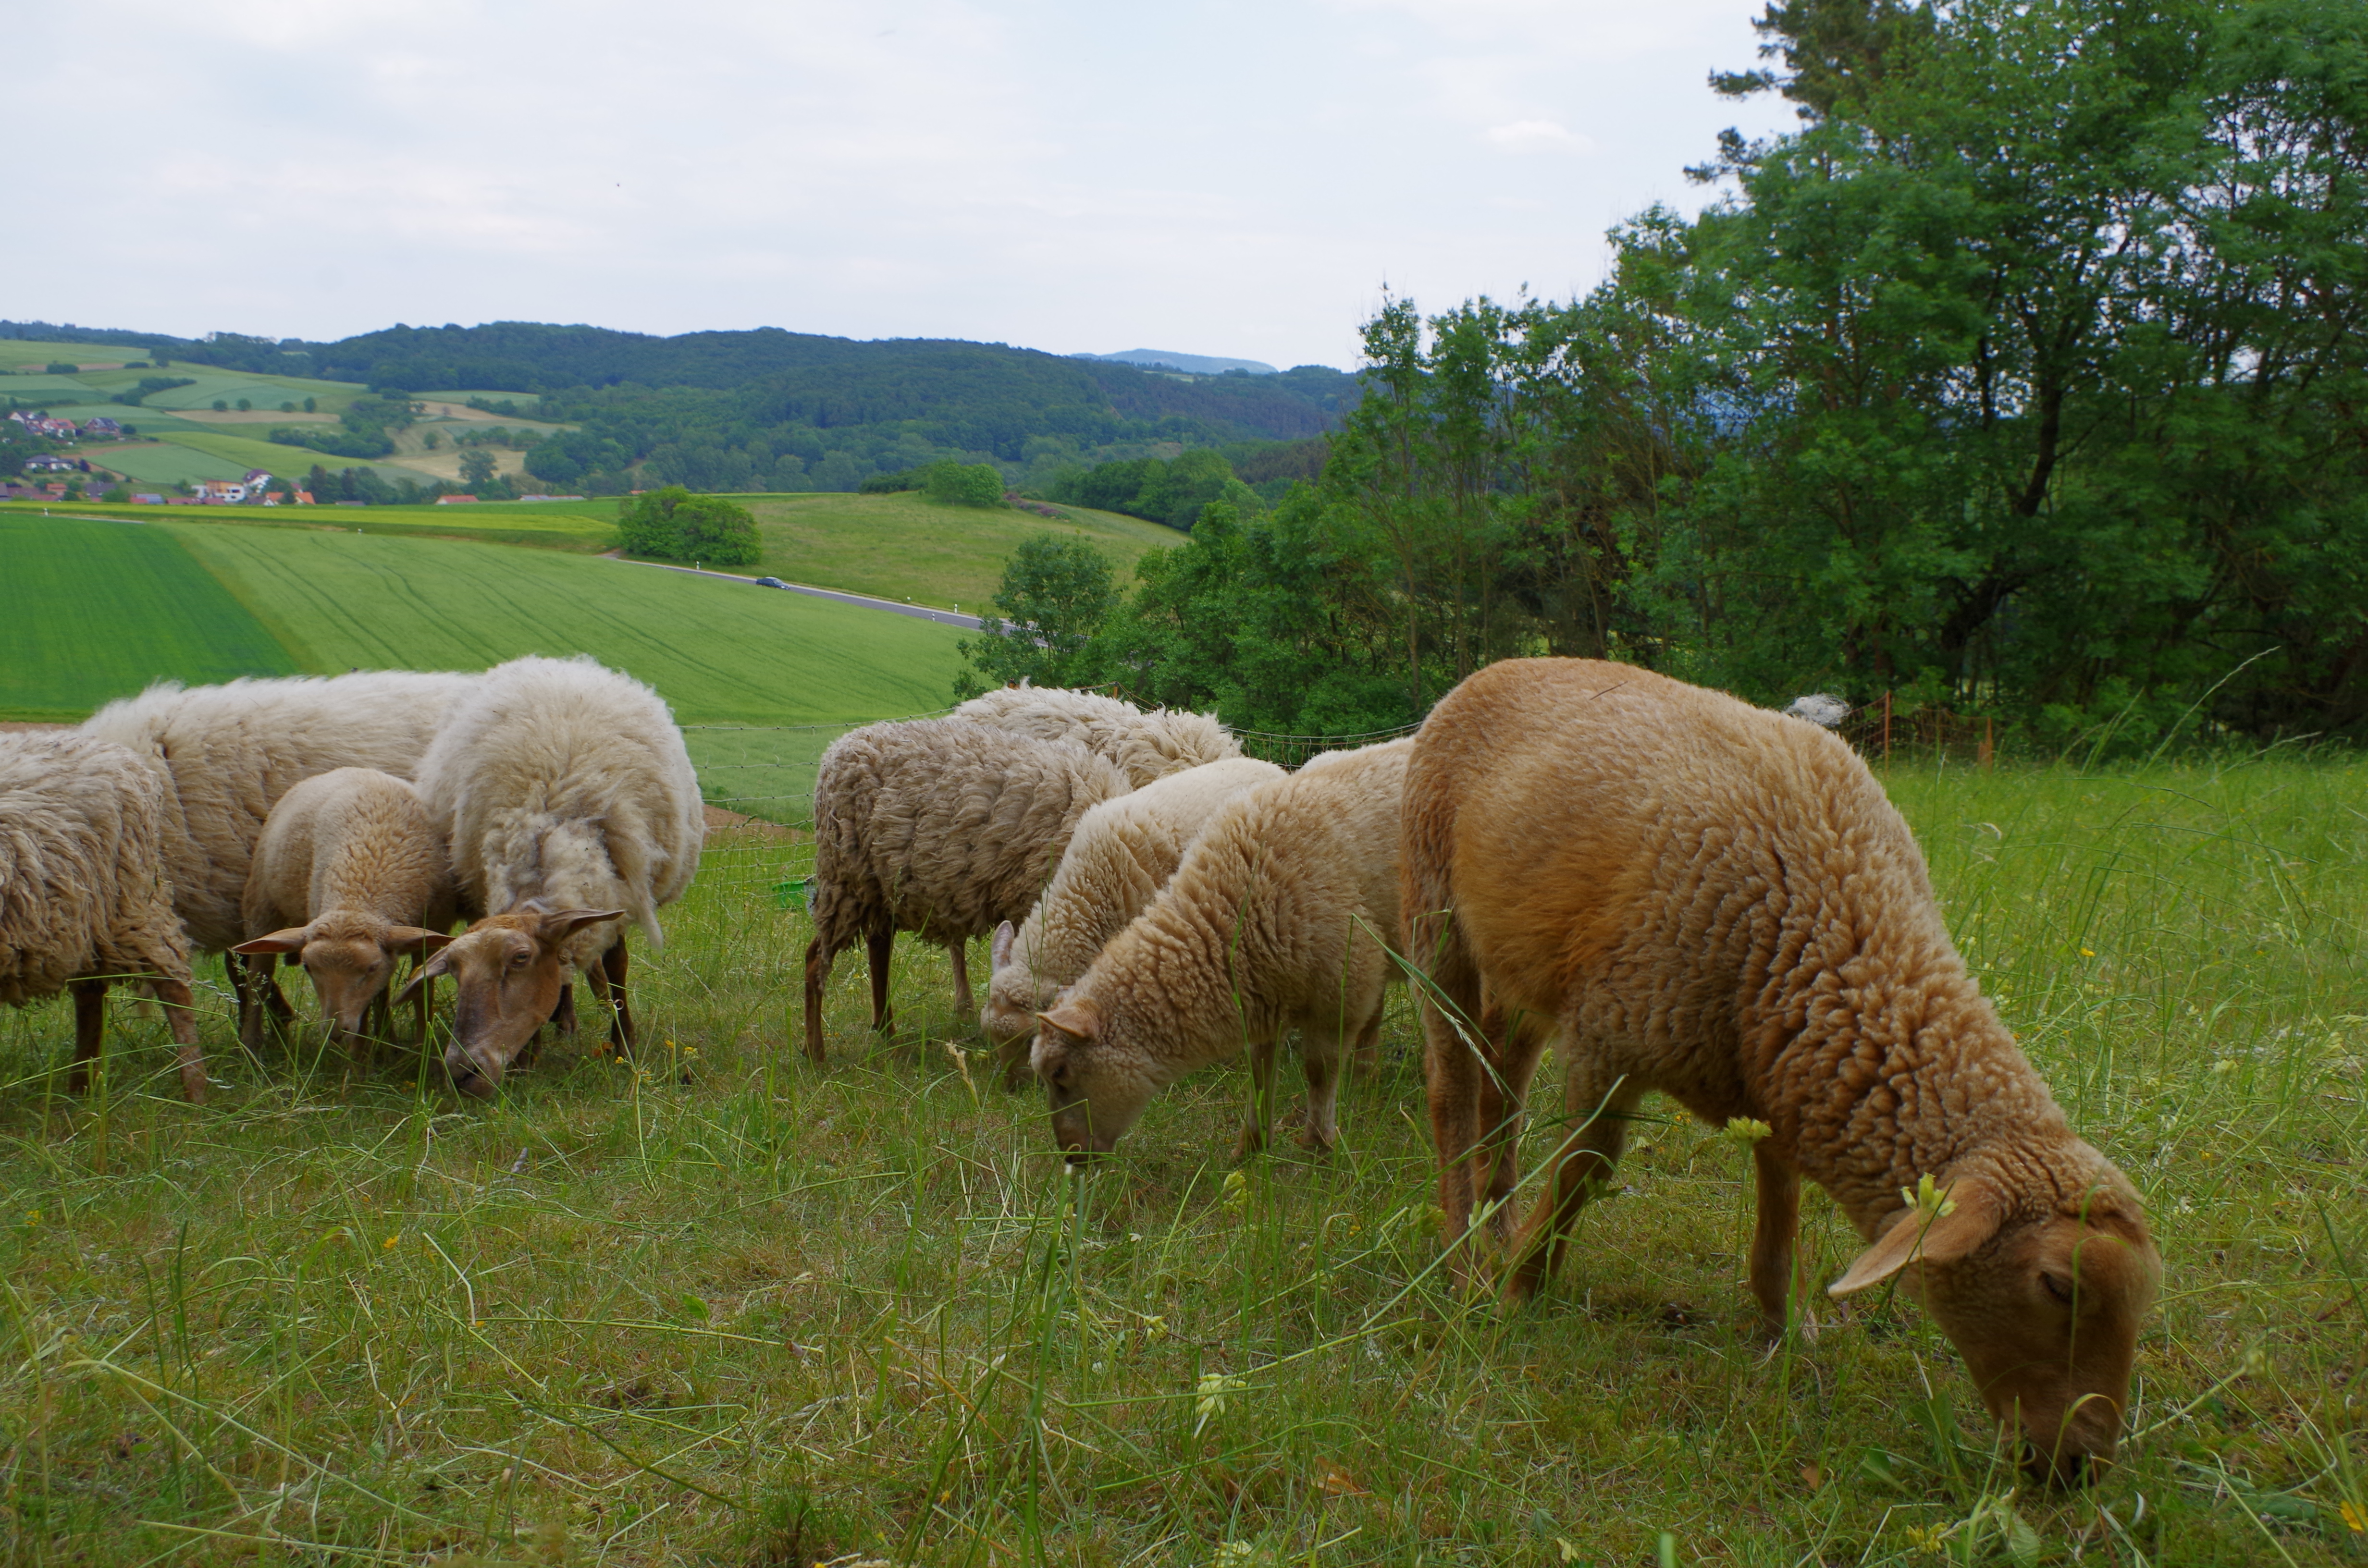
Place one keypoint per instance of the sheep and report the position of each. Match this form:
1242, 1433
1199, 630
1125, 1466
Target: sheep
228, 753
1717, 903
1283, 914
1123, 851
350, 872
83, 898
1147, 745
569, 803
938, 826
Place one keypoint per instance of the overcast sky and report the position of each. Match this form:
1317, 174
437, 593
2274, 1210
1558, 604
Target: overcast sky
1214, 177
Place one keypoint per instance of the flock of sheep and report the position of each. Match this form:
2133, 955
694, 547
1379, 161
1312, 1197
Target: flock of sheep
1679, 892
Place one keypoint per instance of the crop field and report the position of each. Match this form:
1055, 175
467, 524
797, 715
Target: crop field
904, 547
247, 452
97, 610
718, 1305
162, 461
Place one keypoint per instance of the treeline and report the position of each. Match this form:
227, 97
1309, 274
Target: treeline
2027, 379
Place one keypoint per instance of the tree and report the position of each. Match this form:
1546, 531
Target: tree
674, 525
1054, 596
477, 468
965, 485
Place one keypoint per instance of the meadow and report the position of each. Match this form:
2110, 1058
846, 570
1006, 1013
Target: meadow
716, 1306
902, 546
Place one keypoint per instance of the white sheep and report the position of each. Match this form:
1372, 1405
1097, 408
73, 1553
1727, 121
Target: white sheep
568, 803
1147, 745
938, 826
83, 898
1283, 915
1122, 853
227, 754
350, 873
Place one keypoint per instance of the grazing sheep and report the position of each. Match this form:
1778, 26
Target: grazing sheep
1714, 902
228, 753
1283, 915
1122, 853
83, 895
350, 873
1147, 745
569, 803
940, 826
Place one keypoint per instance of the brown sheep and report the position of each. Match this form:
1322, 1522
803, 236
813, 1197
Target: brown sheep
1701, 898
940, 826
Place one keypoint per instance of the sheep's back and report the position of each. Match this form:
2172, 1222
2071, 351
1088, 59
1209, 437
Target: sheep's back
1146, 747
83, 889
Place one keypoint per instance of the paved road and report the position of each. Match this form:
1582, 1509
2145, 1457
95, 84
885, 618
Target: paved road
918, 612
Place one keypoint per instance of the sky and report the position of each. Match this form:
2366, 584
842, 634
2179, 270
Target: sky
1210, 176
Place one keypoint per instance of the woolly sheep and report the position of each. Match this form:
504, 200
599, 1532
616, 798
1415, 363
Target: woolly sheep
350, 873
1122, 853
1713, 901
1147, 745
228, 753
569, 803
938, 826
83, 894
1283, 915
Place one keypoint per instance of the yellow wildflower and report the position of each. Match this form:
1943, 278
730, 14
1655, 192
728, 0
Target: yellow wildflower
1929, 1200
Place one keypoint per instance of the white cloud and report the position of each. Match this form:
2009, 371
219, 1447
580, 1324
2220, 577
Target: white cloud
1538, 136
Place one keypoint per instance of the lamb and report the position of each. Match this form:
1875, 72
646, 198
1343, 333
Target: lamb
1122, 853
228, 753
1283, 914
569, 803
350, 873
1717, 903
1147, 745
938, 826
84, 899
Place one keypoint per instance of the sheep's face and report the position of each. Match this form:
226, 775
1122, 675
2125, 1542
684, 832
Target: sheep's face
2045, 1310
510, 969
350, 958
1009, 1015
1095, 1083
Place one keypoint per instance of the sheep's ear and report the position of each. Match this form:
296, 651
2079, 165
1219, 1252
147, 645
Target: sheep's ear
287, 941
1972, 1220
567, 921
440, 964
998, 948
1080, 1018
405, 937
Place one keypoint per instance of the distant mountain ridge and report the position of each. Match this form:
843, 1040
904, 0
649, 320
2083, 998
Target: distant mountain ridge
1193, 363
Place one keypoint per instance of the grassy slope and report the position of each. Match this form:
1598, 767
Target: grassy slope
96, 610
770, 1314
904, 547
164, 461
545, 525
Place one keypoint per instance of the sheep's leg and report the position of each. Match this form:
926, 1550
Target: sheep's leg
90, 1030
1597, 1105
563, 1016
1773, 1277
620, 1025
1452, 1069
1515, 1046
877, 945
1365, 1060
182, 1019
1261, 1112
959, 951
817, 976
251, 982
420, 1000
1319, 1058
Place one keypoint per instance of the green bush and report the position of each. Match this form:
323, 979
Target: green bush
964, 484
674, 525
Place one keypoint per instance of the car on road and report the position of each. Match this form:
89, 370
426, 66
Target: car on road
770, 583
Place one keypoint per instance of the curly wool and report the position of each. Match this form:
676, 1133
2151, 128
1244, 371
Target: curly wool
1122, 853
353, 839
1147, 745
563, 781
82, 890
227, 753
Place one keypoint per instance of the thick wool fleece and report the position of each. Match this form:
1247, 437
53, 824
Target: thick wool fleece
1122, 855
1147, 745
228, 753
563, 781
354, 839
82, 890
1283, 915
943, 827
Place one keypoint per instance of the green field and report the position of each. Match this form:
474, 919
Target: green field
901, 546
163, 462
247, 452
543, 524
720, 1307
97, 610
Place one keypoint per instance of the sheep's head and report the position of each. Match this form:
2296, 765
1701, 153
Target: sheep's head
1097, 1084
510, 969
1009, 1015
350, 957
2044, 1306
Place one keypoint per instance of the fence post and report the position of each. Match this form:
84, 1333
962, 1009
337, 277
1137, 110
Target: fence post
1886, 728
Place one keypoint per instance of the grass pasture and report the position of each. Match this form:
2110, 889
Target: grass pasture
720, 1307
162, 461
